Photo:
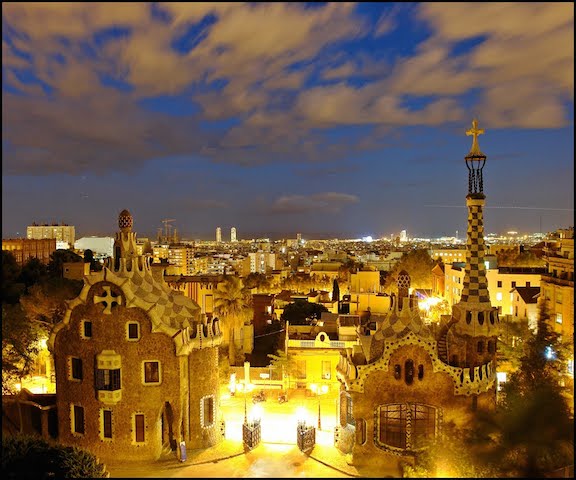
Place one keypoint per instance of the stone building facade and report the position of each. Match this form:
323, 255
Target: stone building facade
404, 381
136, 363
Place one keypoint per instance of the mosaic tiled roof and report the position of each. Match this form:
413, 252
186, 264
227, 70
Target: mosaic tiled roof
400, 323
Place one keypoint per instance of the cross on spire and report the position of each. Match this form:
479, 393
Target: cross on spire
475, 131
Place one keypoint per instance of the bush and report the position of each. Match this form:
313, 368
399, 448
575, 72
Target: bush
27, 457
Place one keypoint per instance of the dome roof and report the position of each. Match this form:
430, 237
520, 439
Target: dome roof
125, 220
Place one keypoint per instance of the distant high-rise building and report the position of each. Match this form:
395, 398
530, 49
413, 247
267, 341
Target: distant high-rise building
218, 234
63, 232
299, 238
233, 234
403, 236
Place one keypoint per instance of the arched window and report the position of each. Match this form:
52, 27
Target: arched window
420, 372
397, 371
405, 425
468, 317
409, 372
360, 431
480, 347
491, 346
481, 318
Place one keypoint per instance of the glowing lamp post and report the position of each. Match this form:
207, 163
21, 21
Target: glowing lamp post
252, 427
319, 390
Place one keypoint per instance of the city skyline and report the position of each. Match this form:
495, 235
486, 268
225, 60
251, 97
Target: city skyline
334, 120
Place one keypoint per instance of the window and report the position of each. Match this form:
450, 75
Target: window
108, 379
423, 424
527, 284
499, 296
480, 347
349, 411
207, 411
361, 431
152, 372
491, 345
133, 331
106, 423
397, 371
499, 283
139, 427
77, 419
326, 369
301, 369
559, 318
559, 298
393, 425
406, 426
420, 372
513, 284
86, 329
408, 372
75, 368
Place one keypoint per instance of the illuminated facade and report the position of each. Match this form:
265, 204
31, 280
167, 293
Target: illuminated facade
63, 232
24, 249
136, 363
557, 288
218, 234
233, 234
402, 382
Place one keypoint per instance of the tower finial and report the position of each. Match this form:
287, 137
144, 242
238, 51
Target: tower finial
475, 131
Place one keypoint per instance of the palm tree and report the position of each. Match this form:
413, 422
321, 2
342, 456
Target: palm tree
232, 304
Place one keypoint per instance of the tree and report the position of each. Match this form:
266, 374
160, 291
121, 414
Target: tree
257, 281
57, 260
95, 266
335, 291
12, 286
20, 345
29, 457
284, 363
33, 272
418, 264
301, 312
232, 304
537, 427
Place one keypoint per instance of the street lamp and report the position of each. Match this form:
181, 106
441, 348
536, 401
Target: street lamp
319, 390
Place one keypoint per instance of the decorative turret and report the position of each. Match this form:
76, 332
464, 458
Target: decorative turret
474, 312
125, 253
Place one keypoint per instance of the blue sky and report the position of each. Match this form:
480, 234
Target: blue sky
329, 119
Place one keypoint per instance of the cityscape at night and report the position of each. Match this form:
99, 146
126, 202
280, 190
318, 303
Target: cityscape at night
299, 239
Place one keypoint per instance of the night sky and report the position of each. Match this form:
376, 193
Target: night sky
328, 119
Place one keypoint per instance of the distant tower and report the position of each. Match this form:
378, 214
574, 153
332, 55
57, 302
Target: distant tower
299, 238
218, 234
233, 234
403, 236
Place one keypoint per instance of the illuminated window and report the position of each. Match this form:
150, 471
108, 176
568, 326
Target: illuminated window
392, 429
499, 296
151, 372
559, 297
75, 368
349, 411
558, 318
133, 330
77, 419
139, 427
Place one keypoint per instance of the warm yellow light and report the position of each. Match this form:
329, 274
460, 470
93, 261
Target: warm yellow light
313, 387
324, 389
43, 343
301, 414
255, 413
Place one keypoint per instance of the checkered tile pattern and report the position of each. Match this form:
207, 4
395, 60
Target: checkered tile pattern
475, 288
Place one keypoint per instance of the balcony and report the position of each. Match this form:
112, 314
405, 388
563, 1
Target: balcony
562, 280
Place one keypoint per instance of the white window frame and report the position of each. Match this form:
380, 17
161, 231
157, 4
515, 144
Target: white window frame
128, 331
202, 415
144, 382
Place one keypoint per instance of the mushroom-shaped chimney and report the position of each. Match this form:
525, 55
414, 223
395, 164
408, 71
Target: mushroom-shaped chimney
125, 221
